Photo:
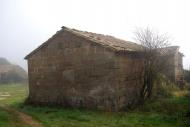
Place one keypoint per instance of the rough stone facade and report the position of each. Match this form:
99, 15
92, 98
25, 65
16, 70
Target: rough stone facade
174, 70
76, 72
178, 71
76, 69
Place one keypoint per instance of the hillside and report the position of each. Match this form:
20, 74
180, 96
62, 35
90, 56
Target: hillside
10, 73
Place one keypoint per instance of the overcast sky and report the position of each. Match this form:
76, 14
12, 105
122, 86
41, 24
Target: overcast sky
25, 24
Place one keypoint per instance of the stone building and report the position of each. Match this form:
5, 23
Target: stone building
83, 69
174, 70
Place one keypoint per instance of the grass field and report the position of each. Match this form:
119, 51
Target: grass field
173, 111
11, 95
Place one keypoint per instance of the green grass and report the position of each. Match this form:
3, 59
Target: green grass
4, 118
8, 119
13, 94
167, 112
53, 117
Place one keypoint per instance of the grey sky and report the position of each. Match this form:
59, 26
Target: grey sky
25, 24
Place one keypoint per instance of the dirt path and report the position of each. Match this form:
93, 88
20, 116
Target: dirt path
23, 117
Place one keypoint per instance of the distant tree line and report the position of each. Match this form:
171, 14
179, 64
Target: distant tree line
6, 78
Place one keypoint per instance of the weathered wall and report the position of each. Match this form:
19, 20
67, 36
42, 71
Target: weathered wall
129, 76
72, 71
169, 66
178, 60
174, 70
76, 72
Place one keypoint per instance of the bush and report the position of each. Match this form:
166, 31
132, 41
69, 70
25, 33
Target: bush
187, 86
164, 88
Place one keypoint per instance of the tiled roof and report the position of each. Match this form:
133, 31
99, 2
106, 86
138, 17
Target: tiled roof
108, 40
104, 40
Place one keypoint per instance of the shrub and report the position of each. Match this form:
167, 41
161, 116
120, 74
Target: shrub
163, 87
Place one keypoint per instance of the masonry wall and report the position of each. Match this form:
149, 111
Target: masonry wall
169, 67
75, 72
174, 70
178, 68
129, 75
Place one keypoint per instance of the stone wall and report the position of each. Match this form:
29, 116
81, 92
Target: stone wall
75, 72
178, 68
129, 75
174, 68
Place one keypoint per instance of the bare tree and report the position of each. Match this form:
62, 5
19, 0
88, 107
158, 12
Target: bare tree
154, 58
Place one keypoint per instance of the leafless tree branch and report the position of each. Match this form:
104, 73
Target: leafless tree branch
155, 57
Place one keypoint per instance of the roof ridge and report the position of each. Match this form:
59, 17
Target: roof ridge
109, 39
112, 42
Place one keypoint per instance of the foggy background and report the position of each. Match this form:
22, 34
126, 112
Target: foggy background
25, 24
